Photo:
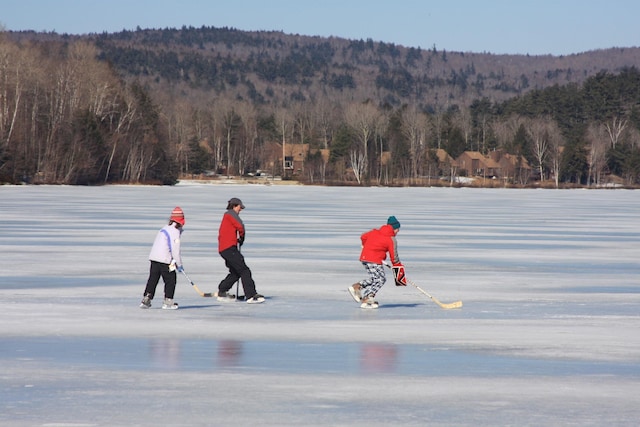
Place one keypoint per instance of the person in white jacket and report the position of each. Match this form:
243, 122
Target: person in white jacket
165, 260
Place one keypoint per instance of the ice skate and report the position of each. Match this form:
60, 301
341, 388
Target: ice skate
168, 304
256, 299
354, 290
225, 296
146, 302
368, 302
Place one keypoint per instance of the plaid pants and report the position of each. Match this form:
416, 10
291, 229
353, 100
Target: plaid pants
374, 282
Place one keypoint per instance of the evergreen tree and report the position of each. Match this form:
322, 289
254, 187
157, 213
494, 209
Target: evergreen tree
575, 168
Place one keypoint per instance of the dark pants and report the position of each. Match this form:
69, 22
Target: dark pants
157, 270
238, 269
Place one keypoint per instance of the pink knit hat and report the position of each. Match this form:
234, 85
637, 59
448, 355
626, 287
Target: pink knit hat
177, 215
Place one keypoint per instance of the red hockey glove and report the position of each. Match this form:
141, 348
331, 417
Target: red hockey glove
398, 274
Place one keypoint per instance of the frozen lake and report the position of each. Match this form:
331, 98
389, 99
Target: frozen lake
548, 334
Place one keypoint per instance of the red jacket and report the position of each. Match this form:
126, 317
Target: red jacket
376, 243
231, 229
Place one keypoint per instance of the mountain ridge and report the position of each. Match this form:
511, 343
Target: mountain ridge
275, 67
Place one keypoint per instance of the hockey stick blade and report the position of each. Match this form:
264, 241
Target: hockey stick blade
202, 294
193, 285
446, 306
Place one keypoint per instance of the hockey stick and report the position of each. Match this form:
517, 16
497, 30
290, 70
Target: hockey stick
238, 297
446, 306
456, 304
202, 294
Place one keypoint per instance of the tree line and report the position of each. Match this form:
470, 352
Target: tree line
70, 115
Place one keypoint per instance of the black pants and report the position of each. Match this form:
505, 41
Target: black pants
238, 269
157, 270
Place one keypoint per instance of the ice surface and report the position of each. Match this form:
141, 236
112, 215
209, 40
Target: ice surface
548, 334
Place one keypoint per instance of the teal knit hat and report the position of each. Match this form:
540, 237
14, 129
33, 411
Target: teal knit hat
393, 222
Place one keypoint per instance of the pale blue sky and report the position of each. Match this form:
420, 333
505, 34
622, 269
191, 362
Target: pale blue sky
557, 27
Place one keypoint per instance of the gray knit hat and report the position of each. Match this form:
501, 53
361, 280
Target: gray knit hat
234, 201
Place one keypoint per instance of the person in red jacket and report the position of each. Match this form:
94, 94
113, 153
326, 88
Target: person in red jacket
230, 237
376, 244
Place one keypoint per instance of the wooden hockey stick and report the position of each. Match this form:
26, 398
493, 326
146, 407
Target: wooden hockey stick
446, 306
202, 294
456, 304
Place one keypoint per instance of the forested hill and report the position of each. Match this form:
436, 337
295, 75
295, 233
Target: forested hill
155, 105
273, 67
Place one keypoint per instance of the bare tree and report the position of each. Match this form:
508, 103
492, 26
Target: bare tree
597, 137
358, 163
539, 130
414, 128
383, 168
179, 132
556, 145
226, 129
505, 130
615, 129
147, 148
11, 88
285, 122
325, 114
462, 120
303, 124
249, 118
363, 118
215, 130
228, 124
69, 91
121, 122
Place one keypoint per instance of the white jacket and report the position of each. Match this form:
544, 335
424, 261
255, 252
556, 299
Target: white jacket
166, 247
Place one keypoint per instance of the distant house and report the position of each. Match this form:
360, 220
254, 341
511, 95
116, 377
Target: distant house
272, 158
511, 166
447, 165
473, 163
294, 156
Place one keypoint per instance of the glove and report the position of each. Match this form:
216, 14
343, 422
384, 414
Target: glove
241, 240
172, 265
180, 269
398, 274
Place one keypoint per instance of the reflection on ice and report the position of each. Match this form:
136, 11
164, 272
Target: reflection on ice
378, 358
165, 353
171, 355
229, 353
